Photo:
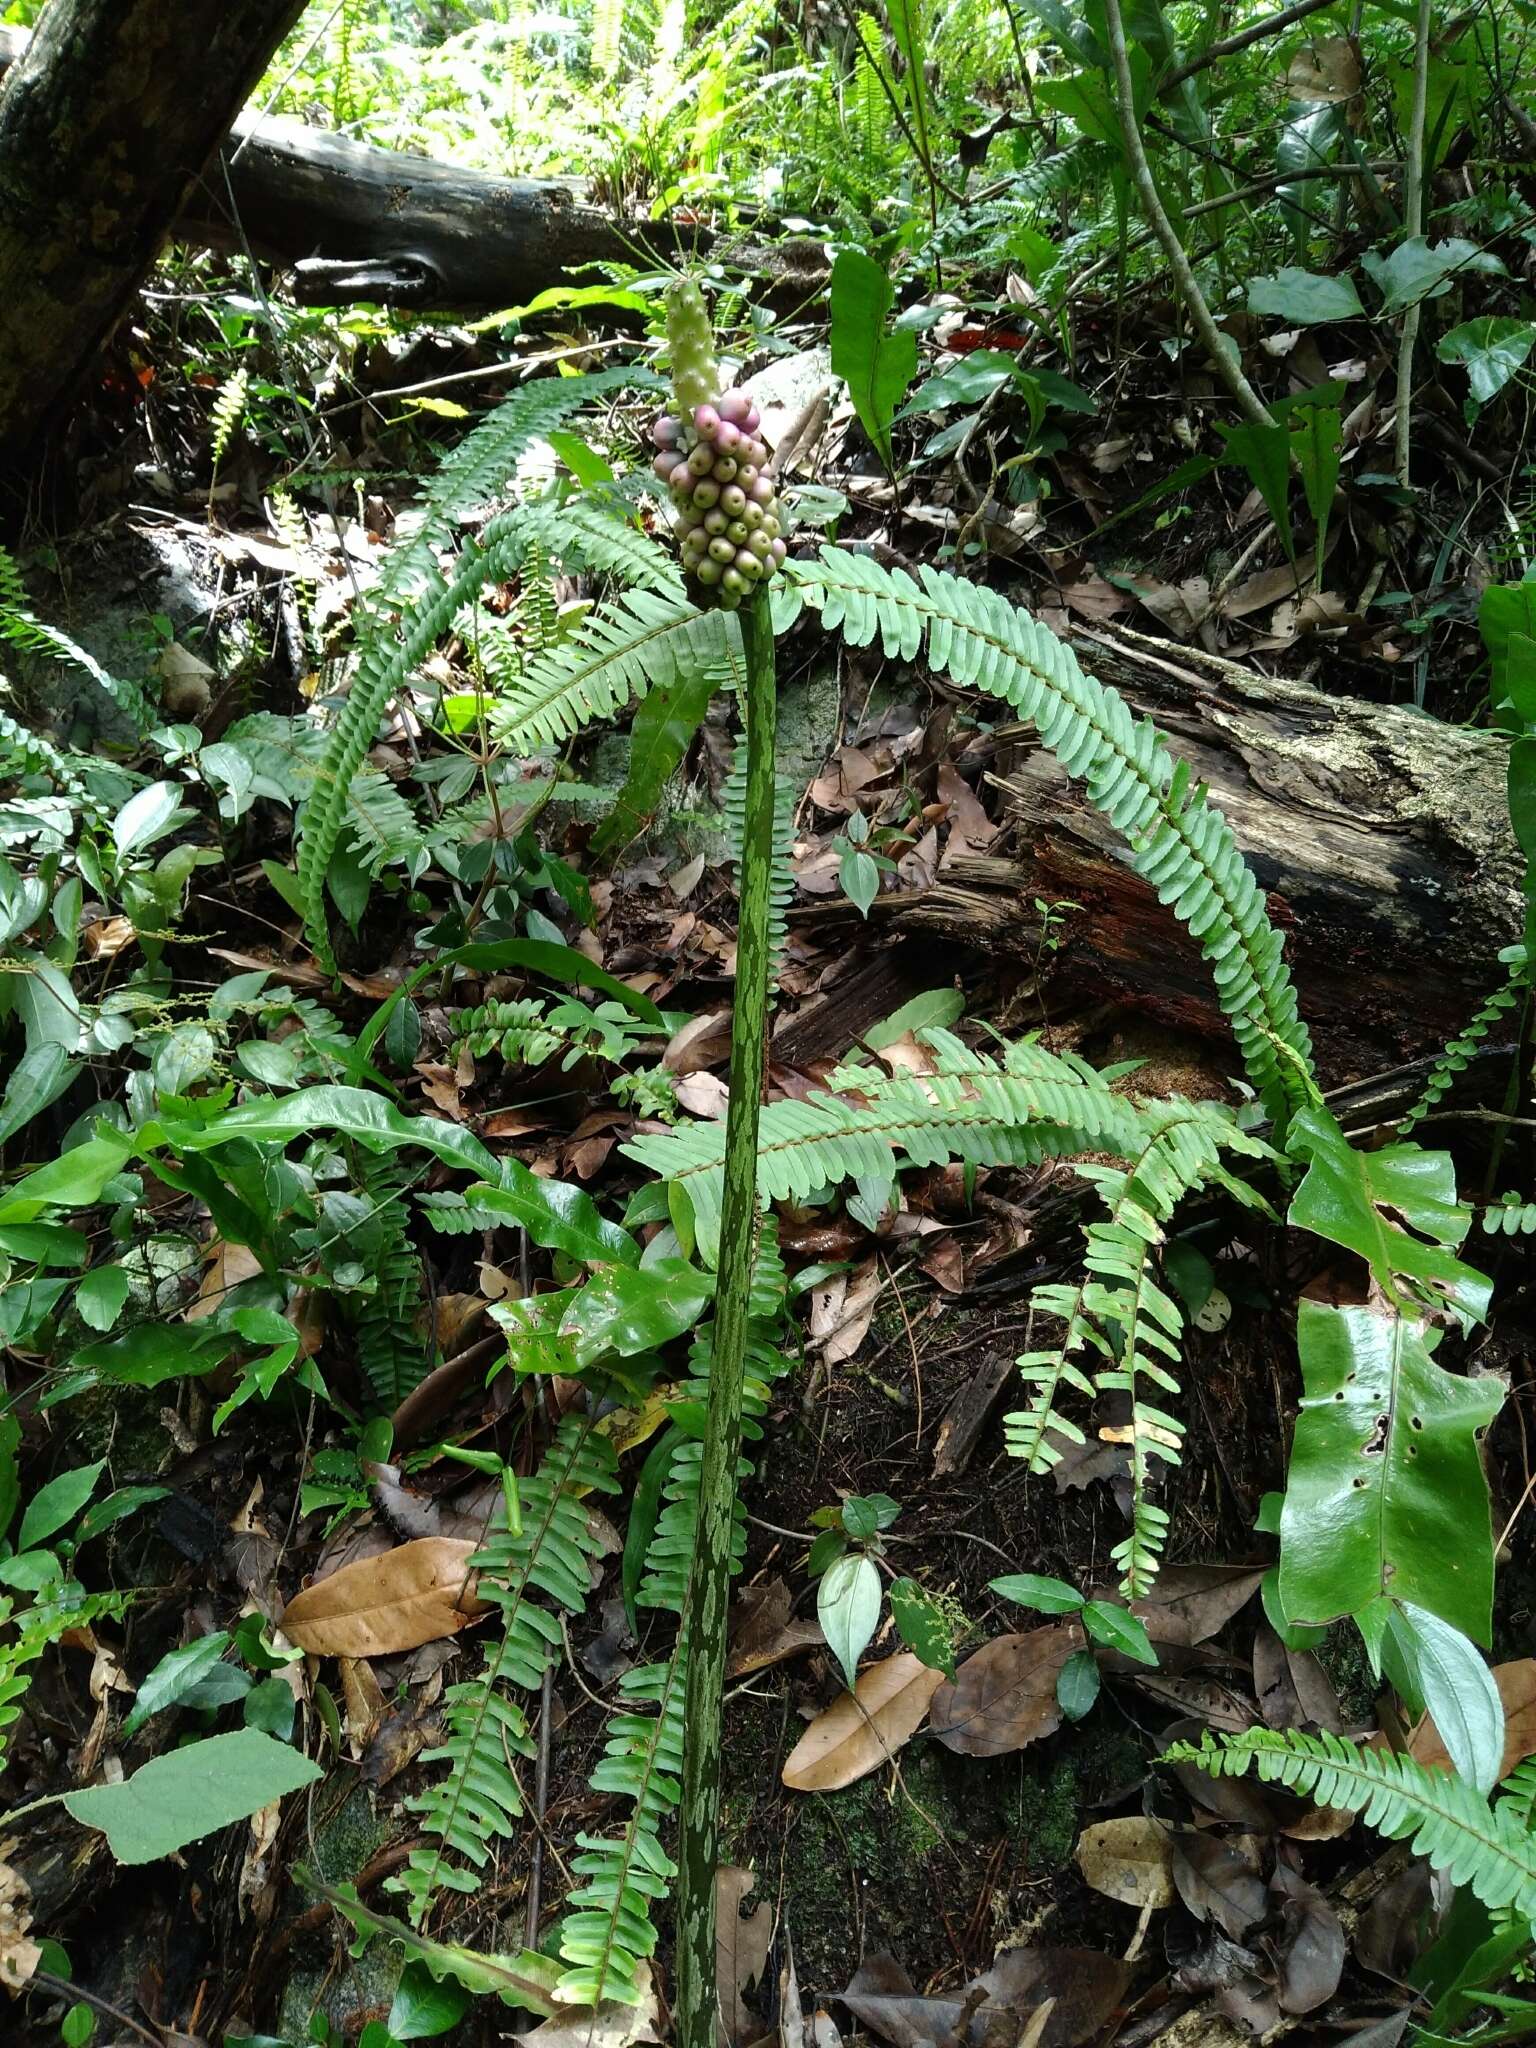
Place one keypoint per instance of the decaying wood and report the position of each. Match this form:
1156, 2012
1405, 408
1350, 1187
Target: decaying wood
106, 119
1381, 837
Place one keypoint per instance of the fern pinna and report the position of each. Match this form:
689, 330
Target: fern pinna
479, 1801
415, 603
1488, 1846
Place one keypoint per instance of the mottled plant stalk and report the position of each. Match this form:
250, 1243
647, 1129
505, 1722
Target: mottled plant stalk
704, 1620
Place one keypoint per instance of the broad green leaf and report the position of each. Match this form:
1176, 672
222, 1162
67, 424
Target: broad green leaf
965, 382
424, 2008
1303, 298
37, 1080
859, 874
1265, 453
923, 1626
270, 1706
553, 1213
1522, 793
1386, 1491
1077, 1684
73, 1181
937, 1009
848, 1607
23, 899
10, 1477
1415, 271
1396, 1208
57, 1504
1446, 1672
192, 1792
1118, 1629
876, 365
152, 1353
100, 1296
1046, 1596
624, 1310
526, 1979
1506, 618
45, 1244
127, 1500
147, 816
1491, 350
1317, 437
660, 735
177, 1673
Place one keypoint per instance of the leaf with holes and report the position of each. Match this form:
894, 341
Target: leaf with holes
1386, 1492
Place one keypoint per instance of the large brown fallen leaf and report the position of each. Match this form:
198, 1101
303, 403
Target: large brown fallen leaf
1192, 1602
1517, 1689
1004, 1697
861, 1730
1130, 1860
741, 1950
408, 1596
1048, 1997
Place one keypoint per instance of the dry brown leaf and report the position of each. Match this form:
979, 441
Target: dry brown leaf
19, 1954
228, 1265
1325, 70
410, 1595
1193, 1602
763, 1631
861, 1730
969, 825
609, 2025
704, 1041
742, 1942
1517, 1689
363, 1698
1130, 1860
1004, 1697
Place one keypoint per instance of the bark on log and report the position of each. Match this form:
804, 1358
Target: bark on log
105, 122
1381, 837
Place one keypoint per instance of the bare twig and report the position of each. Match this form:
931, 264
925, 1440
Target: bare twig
1413, 224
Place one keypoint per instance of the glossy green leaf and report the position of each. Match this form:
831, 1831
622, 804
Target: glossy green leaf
1448, 1674
10, 1476
117, 1507
188, 1793
624, 1310
1303, 298
73, 1181
148, 814
1118, 1629
1264, 452
1356, 1199
876, 365
1046, 1596
1316, 441
1415, 270
55, 1505
1506, 618
1491, 350
1386, 1491
37, 1080
100, 1296
923, 1626
848, 1608
178, 1673
423, 2007
1077, 1684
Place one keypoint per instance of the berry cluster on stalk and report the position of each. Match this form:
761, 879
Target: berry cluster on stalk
715, 467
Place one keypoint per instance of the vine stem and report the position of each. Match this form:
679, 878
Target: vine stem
704, 1619
1230, 371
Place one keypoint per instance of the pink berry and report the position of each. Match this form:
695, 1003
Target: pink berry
664, 465
734, 407
728, 438
778, 551
760, 490
751, 420
756, 451
681, 477
706, 419
664, 431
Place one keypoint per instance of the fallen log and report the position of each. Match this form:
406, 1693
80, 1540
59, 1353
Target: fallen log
1381, 837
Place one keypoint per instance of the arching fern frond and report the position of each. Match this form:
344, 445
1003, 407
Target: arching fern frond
479, 1801
20, 625
598, 534
1453, 1061
390, 1348
1489, 1848
24, 752
1180, 843
1031, 1106
637, 642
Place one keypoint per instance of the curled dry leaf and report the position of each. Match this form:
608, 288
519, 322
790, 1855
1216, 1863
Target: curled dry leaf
1219, 1881
1004, 1697
1190, 1603
1130, 1860
609, 2025
742, 1942
19, 1954
1311, 1955
861, 1730
408, 1596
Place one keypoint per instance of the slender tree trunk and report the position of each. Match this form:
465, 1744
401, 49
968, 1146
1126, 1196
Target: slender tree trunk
104, 125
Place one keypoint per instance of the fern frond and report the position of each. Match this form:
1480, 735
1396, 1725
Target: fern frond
641, 641
414, 604
1180, 843
21, 626
24, 752
1439, 1814
599, 534
1458, 1052
479, 1801
1510, 1217
607, 36
1032, 1106
228, 410
390, 1349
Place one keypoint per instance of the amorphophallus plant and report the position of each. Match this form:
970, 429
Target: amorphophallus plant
711, 458
714, 465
